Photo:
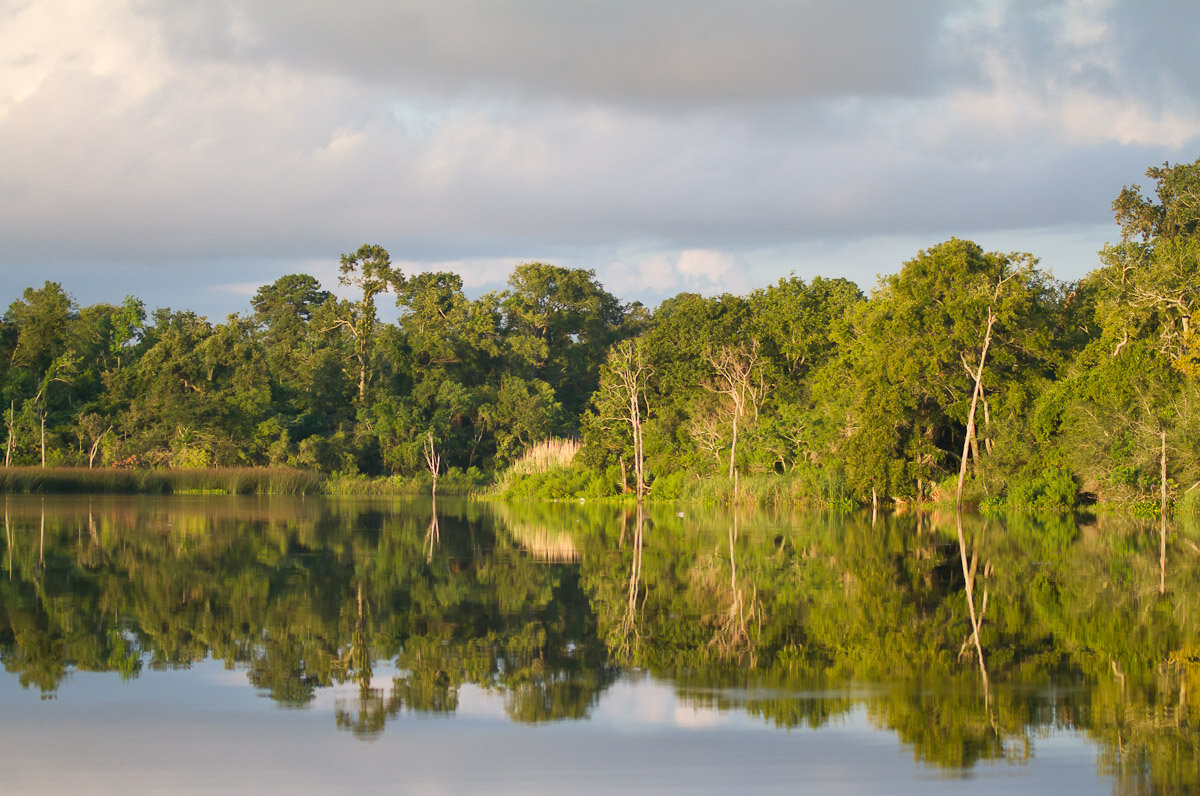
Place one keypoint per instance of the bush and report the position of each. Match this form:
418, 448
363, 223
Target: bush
1046, 489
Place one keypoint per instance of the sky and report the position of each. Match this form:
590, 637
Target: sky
187, 153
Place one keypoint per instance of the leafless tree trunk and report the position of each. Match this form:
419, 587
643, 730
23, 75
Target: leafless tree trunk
969, 580
962, 467
1162, 529
433, 534
628, 628
628, 366
12, 420
738, 380
9, 537
96, 447
433, 460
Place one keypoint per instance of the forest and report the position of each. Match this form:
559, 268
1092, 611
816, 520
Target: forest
1041, 393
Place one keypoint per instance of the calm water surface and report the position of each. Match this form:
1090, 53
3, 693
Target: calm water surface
197, 644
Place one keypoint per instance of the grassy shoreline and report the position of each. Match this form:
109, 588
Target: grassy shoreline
217, 480
549, 484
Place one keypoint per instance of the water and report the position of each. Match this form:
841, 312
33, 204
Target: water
195, 644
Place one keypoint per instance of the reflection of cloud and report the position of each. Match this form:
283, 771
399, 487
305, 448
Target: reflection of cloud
224, 677
647, 704
480, 703
691, 718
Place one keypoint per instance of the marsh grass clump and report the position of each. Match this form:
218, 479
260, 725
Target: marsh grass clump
219, 480
545, 471
549, 454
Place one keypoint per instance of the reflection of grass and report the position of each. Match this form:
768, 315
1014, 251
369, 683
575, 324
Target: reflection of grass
544, 543
217, 480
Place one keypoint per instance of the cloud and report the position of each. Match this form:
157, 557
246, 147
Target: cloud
669, 145
706, 263
698, 51
650, 276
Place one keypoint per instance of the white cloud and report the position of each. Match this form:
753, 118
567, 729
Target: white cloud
704, 263
41, 42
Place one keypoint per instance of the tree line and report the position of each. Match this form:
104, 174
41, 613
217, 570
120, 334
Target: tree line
964, 362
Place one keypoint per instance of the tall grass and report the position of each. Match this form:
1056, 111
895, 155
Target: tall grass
217, 480
1187, 508
543, 471
541, 457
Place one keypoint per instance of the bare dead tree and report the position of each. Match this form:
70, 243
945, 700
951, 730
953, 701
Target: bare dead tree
739, 379
630, 372
433, 459
977, 393
976, 618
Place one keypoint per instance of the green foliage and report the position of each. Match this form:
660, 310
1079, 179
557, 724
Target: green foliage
1047, 489
806, 391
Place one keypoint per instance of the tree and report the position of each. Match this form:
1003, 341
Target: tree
370, 270
559, 322
59, 371
284, 309
904, 379
621, 399
1149, 285
738, 377
1125, 409
40, 357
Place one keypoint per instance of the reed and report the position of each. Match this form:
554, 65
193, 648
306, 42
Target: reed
549, 454
547, 461
218, 480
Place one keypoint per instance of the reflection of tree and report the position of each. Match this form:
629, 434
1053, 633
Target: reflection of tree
307, 595
433, 532
969, 571
627, 631
732, 637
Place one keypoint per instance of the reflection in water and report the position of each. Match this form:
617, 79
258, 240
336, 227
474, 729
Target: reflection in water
797, 620
628, 629
969, 592
433, 532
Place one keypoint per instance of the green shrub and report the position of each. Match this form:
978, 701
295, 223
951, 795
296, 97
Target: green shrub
1045, 489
